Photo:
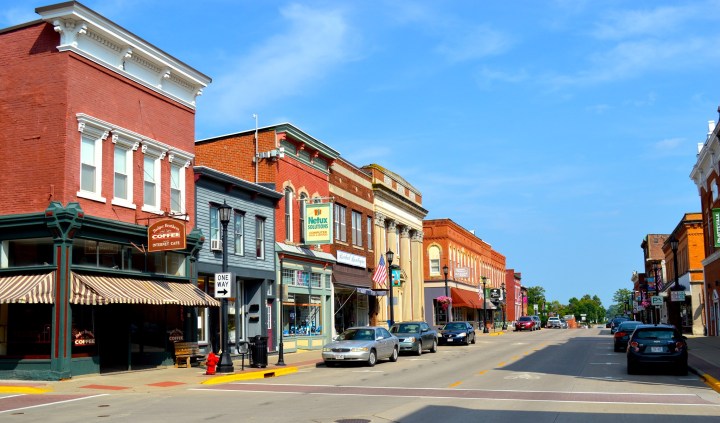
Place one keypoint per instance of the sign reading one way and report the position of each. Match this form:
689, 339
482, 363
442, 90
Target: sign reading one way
222, 285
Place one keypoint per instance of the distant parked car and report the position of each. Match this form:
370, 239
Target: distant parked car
554, 323
525, 323
538, 322
621, 336
366, 343
457, 333
563, 323
615, 322
657, 345
415, 337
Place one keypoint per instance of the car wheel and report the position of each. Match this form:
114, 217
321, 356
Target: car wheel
473, 341
616, 349
419, 348
394, 356
372, 358
433, 349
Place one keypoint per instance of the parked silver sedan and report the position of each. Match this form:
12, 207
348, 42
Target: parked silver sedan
361, 344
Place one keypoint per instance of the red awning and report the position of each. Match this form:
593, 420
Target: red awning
465, 298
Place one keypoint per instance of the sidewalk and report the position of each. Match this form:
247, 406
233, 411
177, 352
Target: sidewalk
704, 358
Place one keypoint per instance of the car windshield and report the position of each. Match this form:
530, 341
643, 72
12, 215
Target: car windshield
654, 334
357, 335
406, 328
526, 319
455, 326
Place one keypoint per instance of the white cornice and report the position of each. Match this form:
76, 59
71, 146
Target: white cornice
707, 160
91, 35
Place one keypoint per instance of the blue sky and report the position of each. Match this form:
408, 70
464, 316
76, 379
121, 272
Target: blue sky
562, 132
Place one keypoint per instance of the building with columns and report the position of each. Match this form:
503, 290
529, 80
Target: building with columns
398, 228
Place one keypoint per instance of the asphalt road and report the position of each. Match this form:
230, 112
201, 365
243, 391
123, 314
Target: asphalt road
546, 376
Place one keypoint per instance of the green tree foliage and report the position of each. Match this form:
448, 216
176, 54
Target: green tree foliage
535, 295
591, 307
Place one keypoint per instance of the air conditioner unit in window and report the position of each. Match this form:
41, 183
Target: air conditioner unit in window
216, 245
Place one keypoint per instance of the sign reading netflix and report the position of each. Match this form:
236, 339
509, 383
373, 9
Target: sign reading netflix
165, 235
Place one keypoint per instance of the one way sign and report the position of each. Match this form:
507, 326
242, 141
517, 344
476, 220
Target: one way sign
222, 285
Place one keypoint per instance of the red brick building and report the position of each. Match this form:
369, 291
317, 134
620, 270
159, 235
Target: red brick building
97, 137
294, 163
472, 265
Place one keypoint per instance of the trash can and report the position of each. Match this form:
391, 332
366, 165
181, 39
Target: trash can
258, 351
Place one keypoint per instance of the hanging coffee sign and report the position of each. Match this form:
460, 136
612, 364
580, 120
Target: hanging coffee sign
165, 235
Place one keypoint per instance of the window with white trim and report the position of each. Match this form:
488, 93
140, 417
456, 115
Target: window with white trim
177, 189
289, 195
151, 183
260, 238
339, 223
357, 228
301, 213
369, 232
215, 227
239, 232
123, 167
92, 135
434, 257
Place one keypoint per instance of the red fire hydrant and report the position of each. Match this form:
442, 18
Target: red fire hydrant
211, 363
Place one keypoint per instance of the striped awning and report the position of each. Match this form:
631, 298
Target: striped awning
27, 288
92, 290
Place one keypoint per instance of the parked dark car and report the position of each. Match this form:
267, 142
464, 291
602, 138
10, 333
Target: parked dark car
415, 337
525, 323
615, 322
660, 346
624, 330
457, 333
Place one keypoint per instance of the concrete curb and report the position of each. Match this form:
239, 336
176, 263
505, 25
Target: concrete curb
264, 374
9, 389
709, 380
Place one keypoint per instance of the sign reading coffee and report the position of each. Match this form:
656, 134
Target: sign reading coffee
165, 235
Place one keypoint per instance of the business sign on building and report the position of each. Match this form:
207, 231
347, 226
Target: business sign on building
351, 259
165, 235
462, 272
318, 223
716, 226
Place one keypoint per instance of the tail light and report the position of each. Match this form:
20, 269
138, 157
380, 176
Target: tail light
635, 346
679, 345
620, 334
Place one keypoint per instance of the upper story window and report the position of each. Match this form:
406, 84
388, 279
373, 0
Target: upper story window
215, 229
357, 228
369, 232
289, 195
260, 238
301, 214
239, 232
93, 133
177, 189
434, 257
151, 184
340, 227
125, 145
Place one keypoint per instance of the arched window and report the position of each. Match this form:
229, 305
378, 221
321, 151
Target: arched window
289, 195
434, 257
301, 215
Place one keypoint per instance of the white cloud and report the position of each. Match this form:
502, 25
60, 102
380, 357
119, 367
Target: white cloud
474, 43
310, 43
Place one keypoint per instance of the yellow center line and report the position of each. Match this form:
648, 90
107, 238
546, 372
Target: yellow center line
452, 385
500, 364
482, 372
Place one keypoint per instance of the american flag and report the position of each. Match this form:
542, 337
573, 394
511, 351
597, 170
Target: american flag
380, 275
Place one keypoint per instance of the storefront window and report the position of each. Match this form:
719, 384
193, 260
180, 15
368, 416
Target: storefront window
28, 330
302, 315
83, 331
27, 252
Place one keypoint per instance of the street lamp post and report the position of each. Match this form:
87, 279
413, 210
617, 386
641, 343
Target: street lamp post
676, 287
657, 292
484, 282
226, 364
448, 317
390, 256
281, 355
504, 306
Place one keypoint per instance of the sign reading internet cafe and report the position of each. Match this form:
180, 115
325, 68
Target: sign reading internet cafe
165, 235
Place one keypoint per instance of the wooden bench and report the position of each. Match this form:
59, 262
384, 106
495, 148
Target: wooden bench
187, 352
